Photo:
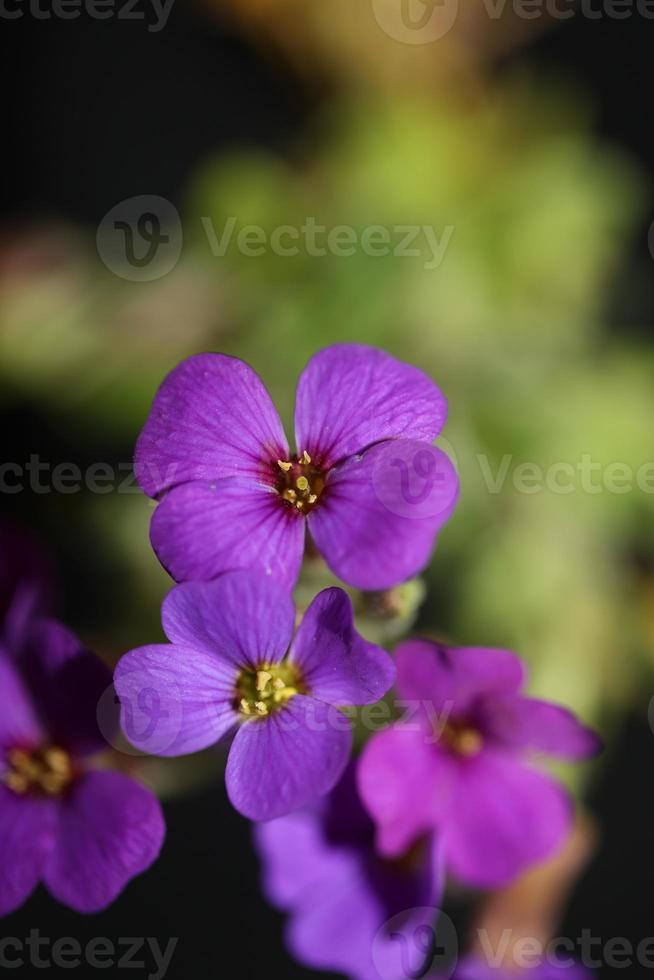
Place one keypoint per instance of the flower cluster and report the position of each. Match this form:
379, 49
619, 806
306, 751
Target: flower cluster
348, 845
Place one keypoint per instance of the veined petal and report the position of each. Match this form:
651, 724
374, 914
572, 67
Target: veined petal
350, 396
200, 531
337, 665
212, 417
526, 724
285, 761
244, 618
26, 839
110, 829
175, 699
371, 527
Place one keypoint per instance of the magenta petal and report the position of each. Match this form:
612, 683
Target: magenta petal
406, 784
19, 725
285, 761
244, 618
110, 830
528, 724
67, 682
350, 396
200, 531
505, 818
26, 839
212, 417
175, 700
367, 529
452, 678
338, 666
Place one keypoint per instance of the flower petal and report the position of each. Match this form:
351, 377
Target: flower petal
110, 829
365, 526
26, 584
350, 396
406, 785
68, 683
175, 699
450, 679
338, 666
505, 818
244, 618
19, 724
200, 531
211, 418
529, 724
283, 762
26, 838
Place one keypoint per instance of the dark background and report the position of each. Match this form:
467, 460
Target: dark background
95, 112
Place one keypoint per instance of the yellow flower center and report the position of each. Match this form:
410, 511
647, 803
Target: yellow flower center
462, 739
300, 482
46, 771
261, 692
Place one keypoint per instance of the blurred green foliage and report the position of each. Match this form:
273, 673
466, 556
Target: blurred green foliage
511, 325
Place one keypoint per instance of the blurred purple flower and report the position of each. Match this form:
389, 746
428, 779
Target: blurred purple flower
26, 584
84, 834
232, 495
228, 668
461, 764
350, 911
474, 968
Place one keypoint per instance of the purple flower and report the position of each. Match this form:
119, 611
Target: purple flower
229, 667
83, 833
475, 968
350, 911
365, 479
461, 765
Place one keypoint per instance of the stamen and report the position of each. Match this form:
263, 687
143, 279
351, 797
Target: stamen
49, 770
263, 676
283, 465
260, 691
305, 457
302, 483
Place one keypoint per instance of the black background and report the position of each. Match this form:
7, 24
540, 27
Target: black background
95, 112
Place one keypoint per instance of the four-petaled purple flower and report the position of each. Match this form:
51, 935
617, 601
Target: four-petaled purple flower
83, 833
350, 911
232, 665
365, 480
461, 764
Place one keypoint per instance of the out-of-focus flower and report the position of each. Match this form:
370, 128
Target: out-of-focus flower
230, 666
474, 968
26, 584
460, 763
233, 495
83, 833
321, 867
